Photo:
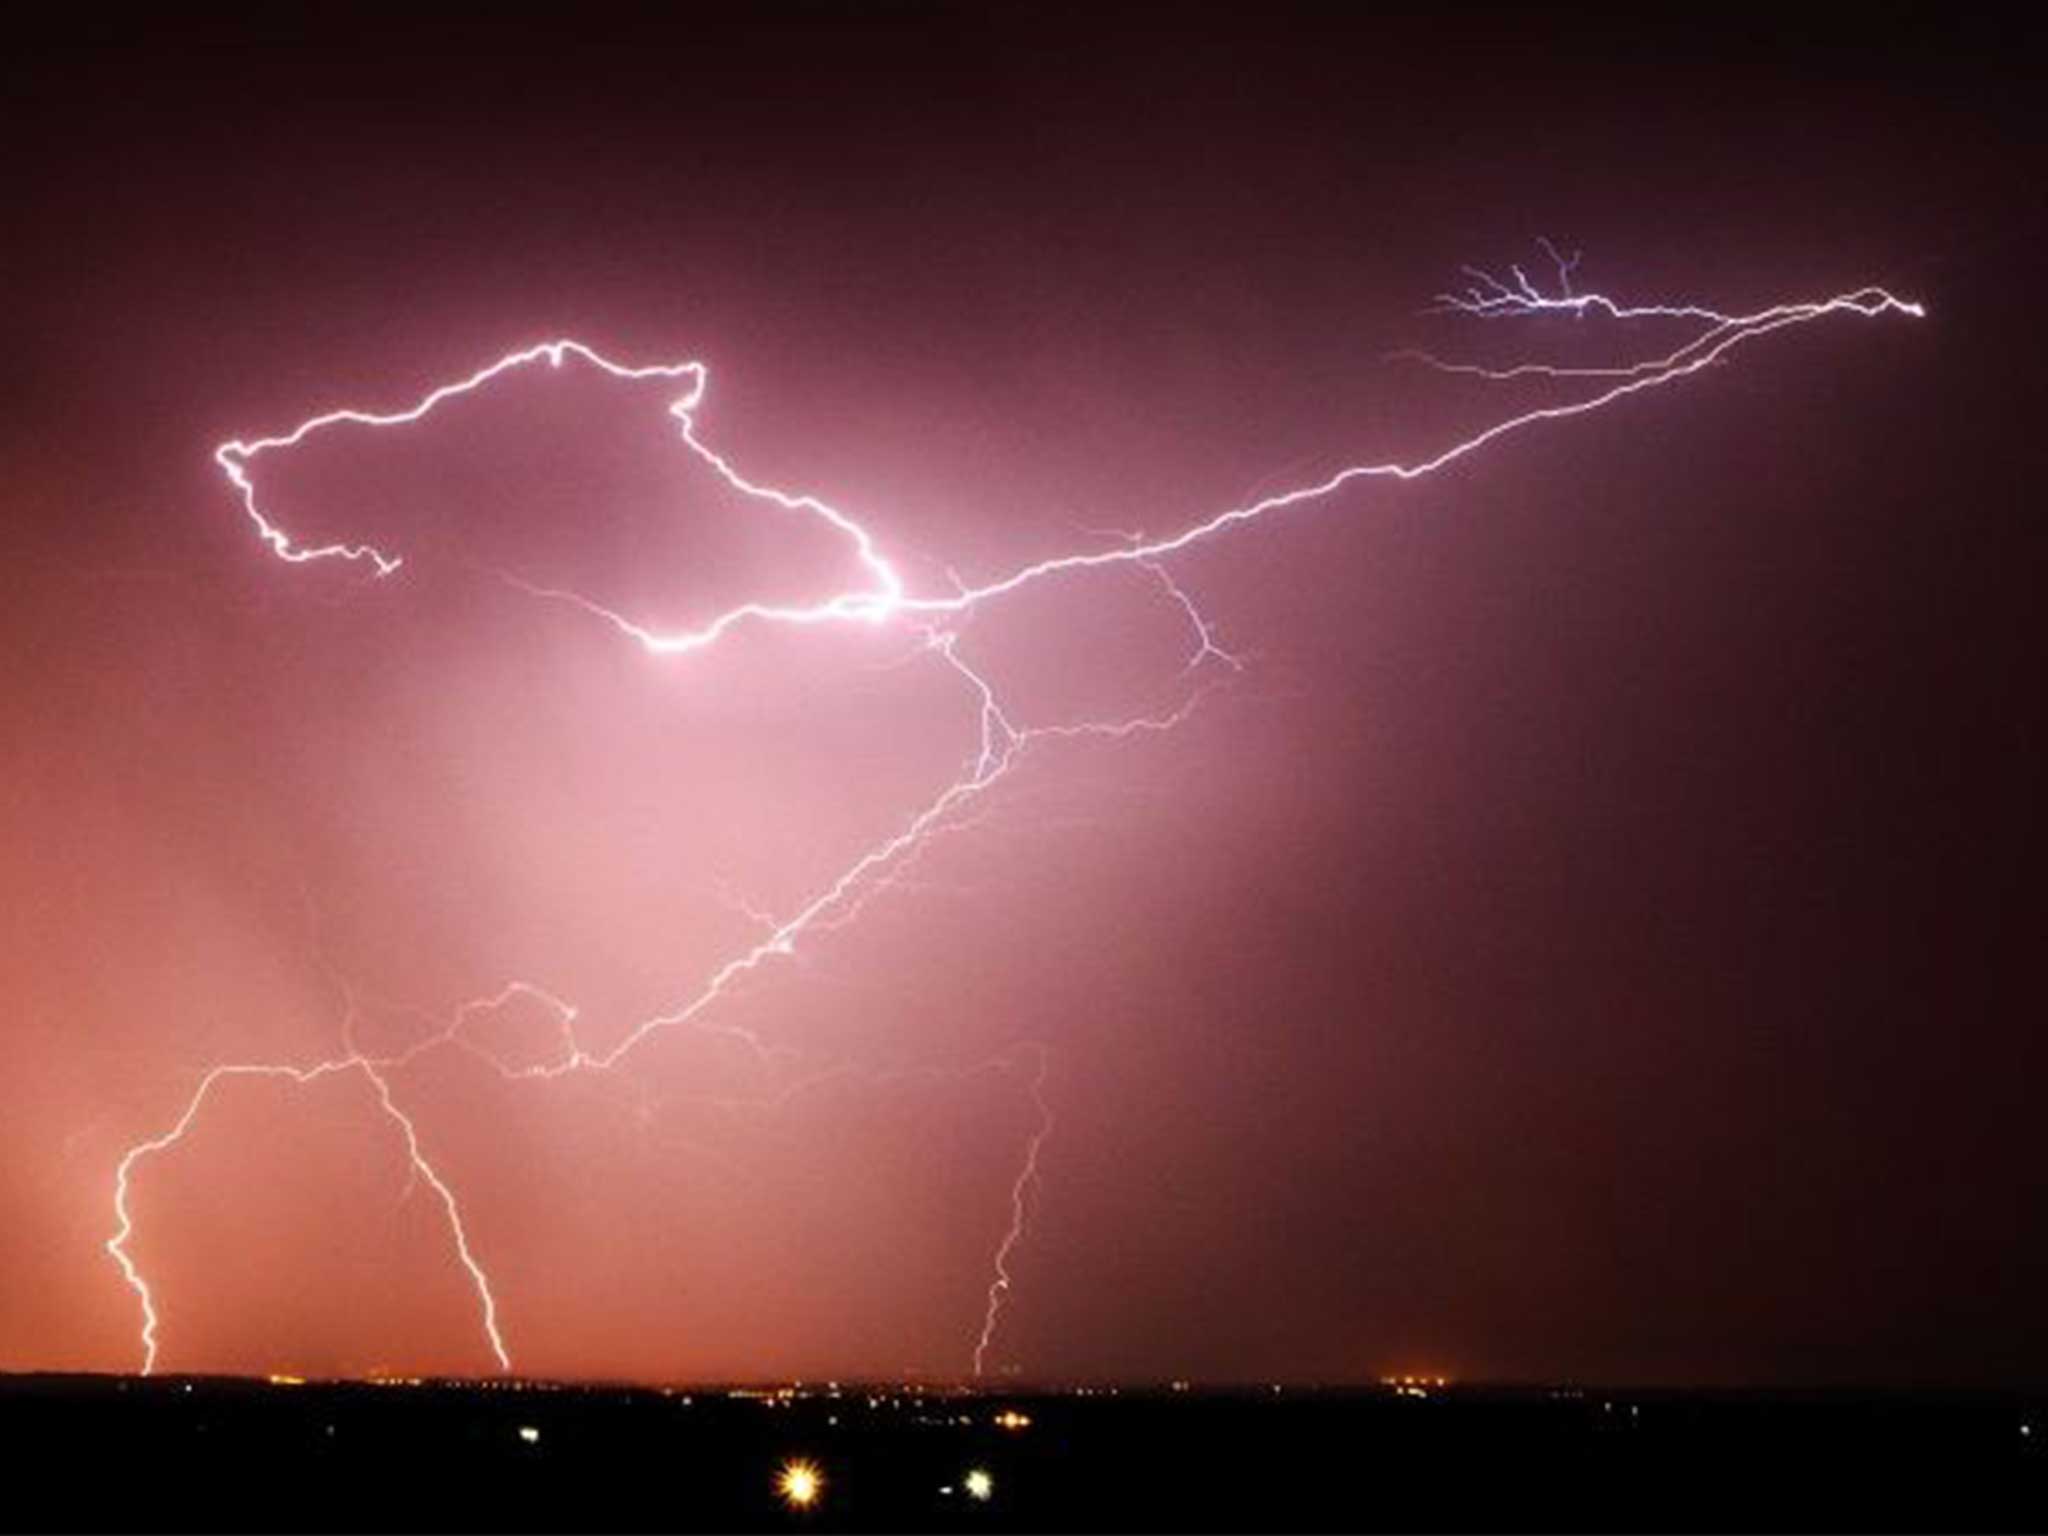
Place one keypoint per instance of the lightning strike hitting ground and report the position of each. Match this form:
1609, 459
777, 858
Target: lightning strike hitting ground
1027, 1178
420, 1168
933, 619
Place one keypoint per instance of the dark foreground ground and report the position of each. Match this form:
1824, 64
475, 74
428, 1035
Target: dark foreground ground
102, 1453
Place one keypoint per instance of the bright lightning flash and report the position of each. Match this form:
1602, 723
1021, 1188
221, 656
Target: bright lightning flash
934, 620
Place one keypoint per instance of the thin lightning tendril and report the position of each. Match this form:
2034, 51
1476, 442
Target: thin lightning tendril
934, 619
1027, 1179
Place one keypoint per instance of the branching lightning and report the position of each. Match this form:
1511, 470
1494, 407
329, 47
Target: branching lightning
419, 1167
935, 621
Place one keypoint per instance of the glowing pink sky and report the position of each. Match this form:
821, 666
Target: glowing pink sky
1503, 974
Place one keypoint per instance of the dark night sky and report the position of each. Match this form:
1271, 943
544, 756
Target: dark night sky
1598, 936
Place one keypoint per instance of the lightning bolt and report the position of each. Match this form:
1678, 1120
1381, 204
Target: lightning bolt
1027, 1179
936, 622
420, 1168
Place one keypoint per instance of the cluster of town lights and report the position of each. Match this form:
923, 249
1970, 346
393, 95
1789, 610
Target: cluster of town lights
1415, 1386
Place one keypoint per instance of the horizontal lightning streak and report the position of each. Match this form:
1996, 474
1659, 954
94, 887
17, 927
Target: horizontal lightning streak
1001, 741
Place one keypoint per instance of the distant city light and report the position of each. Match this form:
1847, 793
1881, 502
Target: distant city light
800, 1483
1416, 1386
979, 1484
1011, 1419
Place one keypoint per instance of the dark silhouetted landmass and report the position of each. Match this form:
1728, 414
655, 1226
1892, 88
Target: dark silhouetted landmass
102, 1453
